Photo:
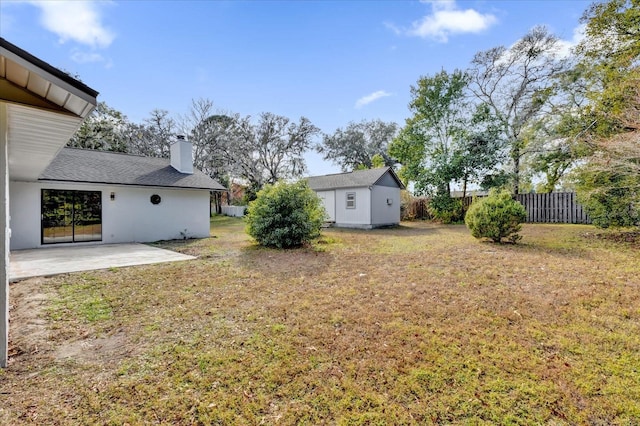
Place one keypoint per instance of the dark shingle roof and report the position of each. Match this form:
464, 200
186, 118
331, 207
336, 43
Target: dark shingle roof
355, 179
83, 165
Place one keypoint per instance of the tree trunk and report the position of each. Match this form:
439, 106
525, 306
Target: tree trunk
515, 155
464, 188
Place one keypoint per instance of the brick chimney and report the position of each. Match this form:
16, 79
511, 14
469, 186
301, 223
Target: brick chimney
182, 155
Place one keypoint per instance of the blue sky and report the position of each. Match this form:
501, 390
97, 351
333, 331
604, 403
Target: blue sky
330, 61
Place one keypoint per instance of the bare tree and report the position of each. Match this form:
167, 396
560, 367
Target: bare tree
270, 150
281, 145
153, 137
212, 134
103, 130
517, 84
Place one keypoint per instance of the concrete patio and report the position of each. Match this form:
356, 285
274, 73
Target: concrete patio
59, 260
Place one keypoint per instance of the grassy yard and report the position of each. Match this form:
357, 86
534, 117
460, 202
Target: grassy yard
416, 325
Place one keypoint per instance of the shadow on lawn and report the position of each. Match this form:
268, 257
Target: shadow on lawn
301, 261
412, 229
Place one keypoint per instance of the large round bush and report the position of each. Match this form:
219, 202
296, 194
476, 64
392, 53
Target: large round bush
497, 216
285, 215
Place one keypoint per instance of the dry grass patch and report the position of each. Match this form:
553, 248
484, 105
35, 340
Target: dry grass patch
419, 324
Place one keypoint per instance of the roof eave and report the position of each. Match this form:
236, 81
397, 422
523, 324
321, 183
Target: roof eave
329, 188
37, 65
90, 182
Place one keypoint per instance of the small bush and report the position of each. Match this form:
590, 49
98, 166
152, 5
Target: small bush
285, 215
497, 216
445, 209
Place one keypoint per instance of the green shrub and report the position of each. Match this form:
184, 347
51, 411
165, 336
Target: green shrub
608, 197
445, 209
285, 215
497, 216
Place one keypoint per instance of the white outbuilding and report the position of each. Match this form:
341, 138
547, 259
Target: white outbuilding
360, 199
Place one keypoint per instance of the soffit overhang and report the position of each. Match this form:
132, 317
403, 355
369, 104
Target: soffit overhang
44, 108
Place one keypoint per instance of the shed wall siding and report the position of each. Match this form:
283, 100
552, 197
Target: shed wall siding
129, 218
328, 199
383, 213
361, 215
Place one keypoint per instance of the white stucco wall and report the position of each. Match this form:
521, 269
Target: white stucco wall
129, 218
383, 213
361, 215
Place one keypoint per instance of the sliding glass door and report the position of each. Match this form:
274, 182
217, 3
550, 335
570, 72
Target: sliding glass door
71, 216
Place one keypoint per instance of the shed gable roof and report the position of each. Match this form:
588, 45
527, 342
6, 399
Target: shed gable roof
355, 179
90, 166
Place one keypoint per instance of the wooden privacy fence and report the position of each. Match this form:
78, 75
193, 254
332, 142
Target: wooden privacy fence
416, 208
554, 207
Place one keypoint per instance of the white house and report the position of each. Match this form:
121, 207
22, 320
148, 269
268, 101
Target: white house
54, 195
87, 196
40, 109
360, 199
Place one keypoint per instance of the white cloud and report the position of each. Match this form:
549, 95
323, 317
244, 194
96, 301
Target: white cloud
394, 28
564, 47
365, 100
85, 57
447, 19
80, 21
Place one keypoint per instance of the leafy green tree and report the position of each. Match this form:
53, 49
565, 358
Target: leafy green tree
428, 145
553, 164
377, 161
497, 216
285, 215
443, 143
608, 184
481, 150
610, 198
554, 139
356, 146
